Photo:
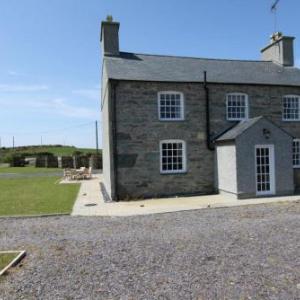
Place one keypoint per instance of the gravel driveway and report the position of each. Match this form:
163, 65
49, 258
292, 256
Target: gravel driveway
236, 253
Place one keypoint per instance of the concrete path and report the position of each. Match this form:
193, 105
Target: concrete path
155, 206
90, 202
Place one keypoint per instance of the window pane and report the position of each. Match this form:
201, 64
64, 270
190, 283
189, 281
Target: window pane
236, 107
263, 169
171, 106
296, 153
172, 156
291, 108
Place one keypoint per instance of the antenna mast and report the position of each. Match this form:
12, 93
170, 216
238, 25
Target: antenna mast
274, 11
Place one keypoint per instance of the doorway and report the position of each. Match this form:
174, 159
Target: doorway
265, 170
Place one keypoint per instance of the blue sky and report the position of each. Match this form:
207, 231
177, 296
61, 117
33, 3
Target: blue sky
50, 57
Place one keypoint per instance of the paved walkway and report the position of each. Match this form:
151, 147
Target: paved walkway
90, 202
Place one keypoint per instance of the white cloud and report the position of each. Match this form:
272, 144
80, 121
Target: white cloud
22, 88
298, 62
93, 94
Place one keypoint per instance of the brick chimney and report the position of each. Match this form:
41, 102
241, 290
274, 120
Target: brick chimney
110, 37
280, 50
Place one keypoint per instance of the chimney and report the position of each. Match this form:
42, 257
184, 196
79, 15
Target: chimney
110, 37
280, 50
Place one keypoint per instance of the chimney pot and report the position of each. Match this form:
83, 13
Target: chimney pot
109, 18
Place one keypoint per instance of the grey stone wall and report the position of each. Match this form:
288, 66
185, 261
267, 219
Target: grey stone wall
263, 100
139, 132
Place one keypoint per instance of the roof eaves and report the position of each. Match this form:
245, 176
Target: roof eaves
208, 82
251, 122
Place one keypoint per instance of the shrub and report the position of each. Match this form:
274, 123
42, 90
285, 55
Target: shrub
16, 160
77, 153
96, 161
42, 154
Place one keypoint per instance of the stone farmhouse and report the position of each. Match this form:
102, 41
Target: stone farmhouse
185, 126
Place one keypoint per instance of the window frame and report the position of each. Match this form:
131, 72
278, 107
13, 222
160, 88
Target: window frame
184, 165
283, 114
296, 166
246, 106
182, 110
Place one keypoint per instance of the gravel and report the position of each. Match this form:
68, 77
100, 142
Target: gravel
237, 253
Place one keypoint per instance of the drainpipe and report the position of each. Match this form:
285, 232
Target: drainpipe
114, 85
207, 107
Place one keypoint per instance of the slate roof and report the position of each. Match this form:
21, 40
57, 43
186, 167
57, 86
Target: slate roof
143, 67
238, 129
232, 133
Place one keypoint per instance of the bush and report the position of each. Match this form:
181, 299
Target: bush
46, 161
41, 154
41, 162
81, 161
67, 162
77, 153
52, 162
96, 161
9, 158
17, 161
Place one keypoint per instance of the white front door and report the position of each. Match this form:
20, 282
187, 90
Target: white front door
265, 169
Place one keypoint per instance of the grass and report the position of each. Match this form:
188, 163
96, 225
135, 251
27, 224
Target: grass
36, 196
28, 170
6, 258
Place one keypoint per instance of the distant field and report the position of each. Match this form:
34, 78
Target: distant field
32, 150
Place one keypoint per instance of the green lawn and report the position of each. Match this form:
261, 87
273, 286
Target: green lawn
28, 170
36, 196
6, 258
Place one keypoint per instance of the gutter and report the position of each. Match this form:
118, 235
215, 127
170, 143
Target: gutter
114, 85
207, 110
